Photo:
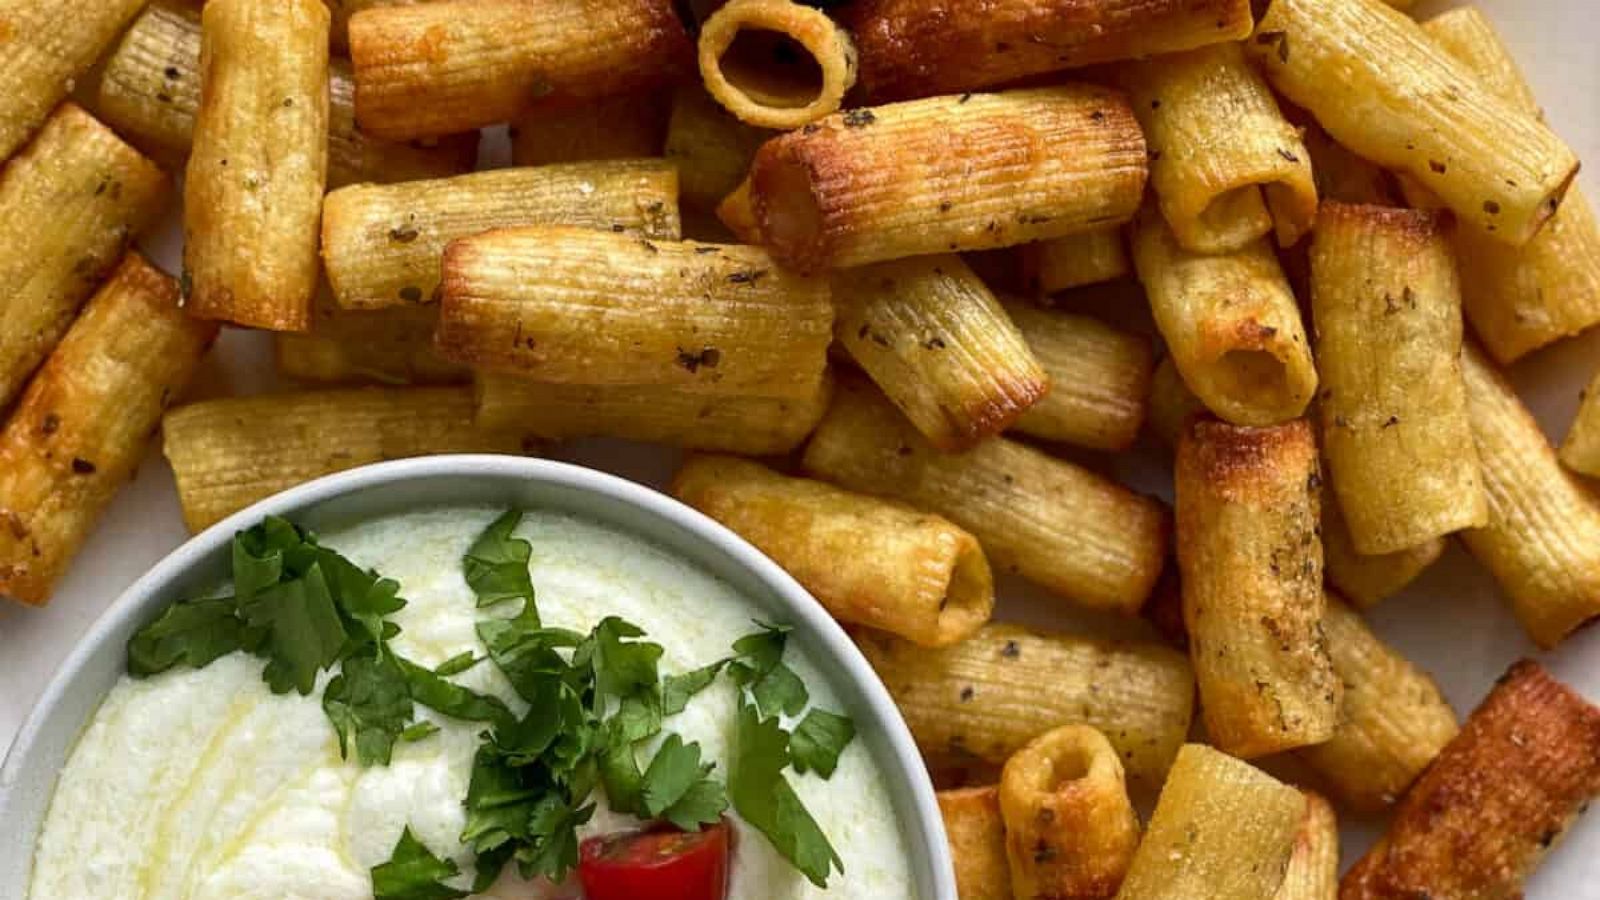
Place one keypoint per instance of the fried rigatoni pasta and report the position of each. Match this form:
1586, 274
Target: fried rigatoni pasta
628, 126
1313, 870
916, 48
1542, 543
713, 150
1061, 264
82, 426
383, 244
1225, 164
69, 204
868, 561
1231, 323
456, 65
1392, 721
1580, 450
1366, 580
1379, 86
1345, 177
259, 164
1099, 379
728, 423
1247, 515
986, 697
1222, 828
977, 838
1070, 829
575, 306
1087, 539
44, 45
948, 173
383, 346
1479, 821
939, 345
343, 9
229, 453
1172, 404
1521, 299
776, 63
150, 91
1387, 305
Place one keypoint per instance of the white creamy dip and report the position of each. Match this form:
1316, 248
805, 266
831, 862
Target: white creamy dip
203, 784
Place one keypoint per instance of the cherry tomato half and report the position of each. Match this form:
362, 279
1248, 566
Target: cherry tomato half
657, 864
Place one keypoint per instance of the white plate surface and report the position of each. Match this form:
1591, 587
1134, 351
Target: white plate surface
1452, 622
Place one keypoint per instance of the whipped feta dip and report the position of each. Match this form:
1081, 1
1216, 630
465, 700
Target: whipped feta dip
199, 784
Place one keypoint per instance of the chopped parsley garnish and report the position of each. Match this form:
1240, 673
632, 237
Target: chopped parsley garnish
595, 702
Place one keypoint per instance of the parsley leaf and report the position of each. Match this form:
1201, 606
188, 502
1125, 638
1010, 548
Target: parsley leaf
553, 852
498, 805
194, 633
676, 690
677, 788
758, 666
767, 801
418, 731
369, 699
457, 664
622, 667
496, 565
305, 634
818, 740
414, 873
441, 695
362, 597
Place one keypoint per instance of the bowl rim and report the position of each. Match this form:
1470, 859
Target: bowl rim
912, 799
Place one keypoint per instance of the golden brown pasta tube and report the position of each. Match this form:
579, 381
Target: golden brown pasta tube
1061, 264
343, 9
916, 48
44, 46
1393, 406
1099, 377
82, 426
776, 63
1225, 164
737, 213
729, 423
574, 306
1313, 871
383, 244
713, 150
1222, 828
1343, 176
259, 165
1172, 404
939, 345
456, 65
1478, 822
150, 91
948, 173
1519, 300
977, 838
868, 561
1089, 540
1364, 579
1252, 585
1070, 828
230, 453
69, 204
1379, 86
1231, 323
1392, 722
628, 126
1580, 450
1542, 543
986, 697
385, 346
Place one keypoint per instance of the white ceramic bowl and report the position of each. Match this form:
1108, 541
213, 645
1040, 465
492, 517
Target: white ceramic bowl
29, 774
